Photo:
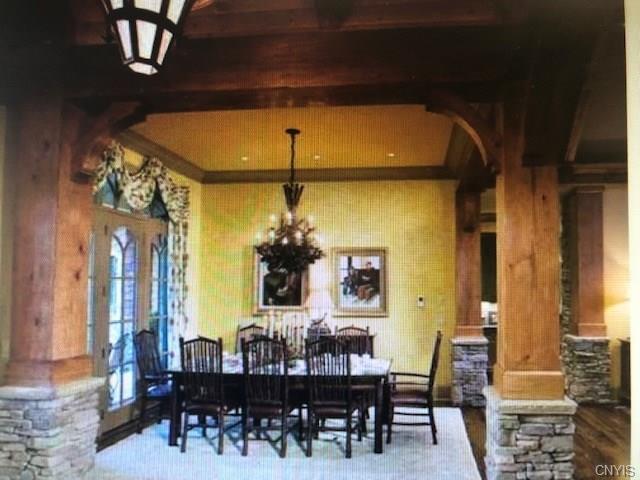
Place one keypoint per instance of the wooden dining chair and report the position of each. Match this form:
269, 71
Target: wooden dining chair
248, 332
202, 381
415, 392
359, 339
266, 388
330, 391
360, 343
155, 384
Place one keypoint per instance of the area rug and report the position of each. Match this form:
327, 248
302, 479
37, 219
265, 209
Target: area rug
411, 455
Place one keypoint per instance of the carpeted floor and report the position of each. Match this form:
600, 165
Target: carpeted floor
411, 455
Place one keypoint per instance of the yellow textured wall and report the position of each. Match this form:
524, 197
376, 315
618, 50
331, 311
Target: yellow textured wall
616, 272
414, 220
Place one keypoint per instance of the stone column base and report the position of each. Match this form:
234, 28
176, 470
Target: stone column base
529, 439
49, 431
469, 360
587, 369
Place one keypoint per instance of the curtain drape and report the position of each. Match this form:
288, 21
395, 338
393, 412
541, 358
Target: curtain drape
139, 189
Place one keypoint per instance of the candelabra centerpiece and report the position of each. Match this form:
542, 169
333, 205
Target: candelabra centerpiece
291, 243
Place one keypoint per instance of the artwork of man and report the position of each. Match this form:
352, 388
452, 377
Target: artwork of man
281, 288
368, 283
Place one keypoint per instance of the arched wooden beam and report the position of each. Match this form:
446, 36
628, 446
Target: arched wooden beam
483, 135
89, 135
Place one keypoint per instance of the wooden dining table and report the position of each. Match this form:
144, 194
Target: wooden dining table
367, 375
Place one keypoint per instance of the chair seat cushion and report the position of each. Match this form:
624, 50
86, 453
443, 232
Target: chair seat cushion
266, 410
159, 391
410, 397
333, 409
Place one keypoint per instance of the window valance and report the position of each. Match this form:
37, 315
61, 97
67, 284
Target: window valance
141, 188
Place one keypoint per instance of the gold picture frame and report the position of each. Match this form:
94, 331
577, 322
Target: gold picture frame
359, 280
278, 291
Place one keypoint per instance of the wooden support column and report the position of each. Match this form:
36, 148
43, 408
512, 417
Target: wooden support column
587, 260
51, 233
528, 365
468, 265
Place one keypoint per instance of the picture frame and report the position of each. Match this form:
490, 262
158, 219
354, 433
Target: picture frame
278, 291
359, 280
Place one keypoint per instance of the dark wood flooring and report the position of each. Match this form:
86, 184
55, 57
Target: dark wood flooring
603, 437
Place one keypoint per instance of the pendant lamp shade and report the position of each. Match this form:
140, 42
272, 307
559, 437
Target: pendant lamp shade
146, 29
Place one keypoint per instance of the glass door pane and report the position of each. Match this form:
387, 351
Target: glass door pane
123, 285
158, 308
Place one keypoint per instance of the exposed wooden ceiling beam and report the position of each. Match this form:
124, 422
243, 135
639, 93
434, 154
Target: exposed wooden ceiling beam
561, 56
584, 99
335, 60
241, 18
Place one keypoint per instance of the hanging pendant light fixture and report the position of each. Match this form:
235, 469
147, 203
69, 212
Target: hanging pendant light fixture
146, 29
291, 243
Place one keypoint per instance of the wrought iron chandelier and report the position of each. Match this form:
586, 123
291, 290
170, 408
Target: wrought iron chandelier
291, 244
146, 29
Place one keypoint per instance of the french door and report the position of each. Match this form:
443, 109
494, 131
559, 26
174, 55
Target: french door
128, 288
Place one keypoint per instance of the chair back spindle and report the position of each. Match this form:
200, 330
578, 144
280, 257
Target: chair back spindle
329, 371
359, 339
202, 370
266, 370
249, 332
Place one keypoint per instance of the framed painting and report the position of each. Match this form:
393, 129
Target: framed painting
359, 277
278, 290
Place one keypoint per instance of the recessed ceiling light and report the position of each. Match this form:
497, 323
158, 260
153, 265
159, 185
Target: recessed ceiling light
391, 154
316, 157
244, 158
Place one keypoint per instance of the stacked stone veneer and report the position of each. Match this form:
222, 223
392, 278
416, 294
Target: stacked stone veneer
469, 359
48, 432
529, 439
587, 369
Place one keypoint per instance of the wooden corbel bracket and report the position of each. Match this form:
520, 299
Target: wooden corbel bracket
485, 137
88, 135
